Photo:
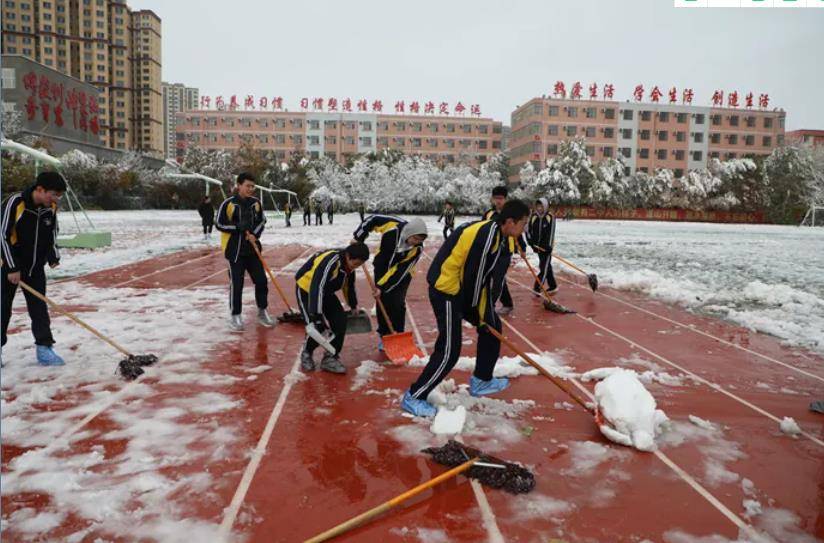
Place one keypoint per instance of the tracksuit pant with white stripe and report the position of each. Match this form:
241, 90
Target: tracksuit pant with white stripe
450, 314
334, 315
395, 303
237, 272
545, 273
38, 310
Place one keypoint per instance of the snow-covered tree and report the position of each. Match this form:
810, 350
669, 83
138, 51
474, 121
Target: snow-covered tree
791, 177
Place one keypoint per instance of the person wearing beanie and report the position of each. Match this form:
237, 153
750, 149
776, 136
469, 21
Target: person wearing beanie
498, 199
463, 285
541, 237
448, 216
400, 249
316, 283
240, 220
29, 242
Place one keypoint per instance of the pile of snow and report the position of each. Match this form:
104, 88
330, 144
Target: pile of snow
790, 427
646, 377
449, 421
363, 374
629, 411
513, 366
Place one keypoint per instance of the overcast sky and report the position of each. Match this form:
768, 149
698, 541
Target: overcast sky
494, 53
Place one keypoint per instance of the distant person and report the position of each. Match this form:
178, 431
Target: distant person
207, 216
29, 242
319, 213
307, 213
361, 211
287, 213
330, 212
540, 233
448, 216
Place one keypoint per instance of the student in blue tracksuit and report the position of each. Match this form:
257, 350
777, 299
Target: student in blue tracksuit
541, 237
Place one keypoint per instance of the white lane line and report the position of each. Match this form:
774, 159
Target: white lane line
687, 478
702, 332
231, 512
493, 532
192, 261
695, 376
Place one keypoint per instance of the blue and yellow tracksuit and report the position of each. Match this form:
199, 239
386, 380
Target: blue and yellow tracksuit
28, 243
394, 266
316, 283
236, 216
541, 237
506, 259
463, 285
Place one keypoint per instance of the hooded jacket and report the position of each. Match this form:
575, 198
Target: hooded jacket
395, 261
30, 232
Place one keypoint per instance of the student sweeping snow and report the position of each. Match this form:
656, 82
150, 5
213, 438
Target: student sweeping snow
541, 237
463, 285
241, 221
498, 199
316, 284
401, 248
29, 242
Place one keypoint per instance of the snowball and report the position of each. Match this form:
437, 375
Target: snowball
630, 411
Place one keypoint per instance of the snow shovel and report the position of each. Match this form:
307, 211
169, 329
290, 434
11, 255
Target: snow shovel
357, 322
488, 470
130, 368
399, 347
591, 277
549, 303
288, 316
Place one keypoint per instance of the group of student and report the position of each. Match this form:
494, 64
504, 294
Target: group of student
465, 280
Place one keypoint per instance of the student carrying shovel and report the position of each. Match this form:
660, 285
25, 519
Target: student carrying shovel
400, 249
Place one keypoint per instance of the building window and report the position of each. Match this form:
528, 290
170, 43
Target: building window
733, 120
663, 135
679, 172
626, 152
715, 137
609, 132
552, 149
645, 135
571, 131
731, 155
767, 141
733, 139
699, 118
572, 112
643, 152
590, 150
591, 112
553, 130
715, 154
749, 140
681, 117
626, 133
661, 154
607, 152
768, 122
590, 131
553, 111
627, 114
716, 120
365, 141
663, 116
680, 136
646, 115
8, 78
679, 154
609, 113
750, 122
366, 126
698, 137
697, 156
537, 109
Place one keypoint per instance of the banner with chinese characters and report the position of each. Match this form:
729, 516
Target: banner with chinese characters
656, 94
336, 105
52, 102
675, 215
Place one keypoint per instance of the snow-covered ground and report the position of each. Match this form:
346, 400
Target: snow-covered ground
768, 278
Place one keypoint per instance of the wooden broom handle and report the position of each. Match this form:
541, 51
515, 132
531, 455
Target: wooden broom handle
272, 277
570, 264
560, 384
76, 319
378, 299
353, 522
547, 295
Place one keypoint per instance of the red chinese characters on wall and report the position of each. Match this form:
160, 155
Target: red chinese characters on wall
47, 98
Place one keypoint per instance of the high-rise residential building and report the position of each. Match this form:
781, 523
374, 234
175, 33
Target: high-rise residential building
340, 136
647, 136
177, 98
106, 44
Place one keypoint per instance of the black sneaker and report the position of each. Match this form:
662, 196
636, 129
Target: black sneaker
332, 364
306, 361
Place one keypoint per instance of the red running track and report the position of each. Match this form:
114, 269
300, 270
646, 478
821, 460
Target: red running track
330, 452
